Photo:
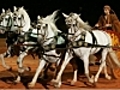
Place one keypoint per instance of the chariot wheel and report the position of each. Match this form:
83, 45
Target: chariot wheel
116, 71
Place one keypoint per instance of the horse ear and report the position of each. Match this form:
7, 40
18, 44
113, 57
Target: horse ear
65, 15
8, 10
3, 10
15, 8
79, 15
55, 13
38, 17
87, 22
22, 7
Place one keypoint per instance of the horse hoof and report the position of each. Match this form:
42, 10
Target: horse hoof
72, 83
92, 80
16, 81
57, 86
96, 79
28, 69
9, 69
54, 81
108, 77
30, 85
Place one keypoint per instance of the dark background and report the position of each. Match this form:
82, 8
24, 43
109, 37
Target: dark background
90, 9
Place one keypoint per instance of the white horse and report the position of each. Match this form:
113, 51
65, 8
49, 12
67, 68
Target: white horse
80, 46
23, 22
5, 20
10, 28
47, 31
6, 25
13, 25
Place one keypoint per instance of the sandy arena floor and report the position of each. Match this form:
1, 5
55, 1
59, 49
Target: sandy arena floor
7, 77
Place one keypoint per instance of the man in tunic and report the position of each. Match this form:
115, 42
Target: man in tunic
108, 20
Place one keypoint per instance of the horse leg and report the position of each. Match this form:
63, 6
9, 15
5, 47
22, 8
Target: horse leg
4, 63
6, 54
39, 69
20, 59
20, 62
58, 65
18, 79
75, 69
107, 76
64, 64
52, 68
85, 59
44, 72
20, 66
103, 63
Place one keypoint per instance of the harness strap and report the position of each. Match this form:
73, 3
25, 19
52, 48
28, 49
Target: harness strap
57, 57
94, 40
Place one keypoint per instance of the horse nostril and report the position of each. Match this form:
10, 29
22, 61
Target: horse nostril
38, 26
14, 18
19, 18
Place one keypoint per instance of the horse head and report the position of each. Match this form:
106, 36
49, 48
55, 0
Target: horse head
21, 19
75, 25
46, 27
5, 20
74, 19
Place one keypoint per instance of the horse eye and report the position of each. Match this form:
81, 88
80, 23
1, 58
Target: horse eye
38, 26
14, 17
6, 19
45, 26
19, 18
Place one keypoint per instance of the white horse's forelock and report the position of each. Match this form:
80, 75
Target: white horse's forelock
52, 25
50, 19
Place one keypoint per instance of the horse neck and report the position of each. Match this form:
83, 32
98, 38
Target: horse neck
27, 21
79, 20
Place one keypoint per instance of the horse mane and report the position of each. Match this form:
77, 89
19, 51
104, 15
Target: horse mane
81, 23
51, 20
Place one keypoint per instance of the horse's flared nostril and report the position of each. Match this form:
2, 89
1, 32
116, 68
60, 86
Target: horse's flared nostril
38, 27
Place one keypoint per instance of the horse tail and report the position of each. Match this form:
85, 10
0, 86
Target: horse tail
113, 60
